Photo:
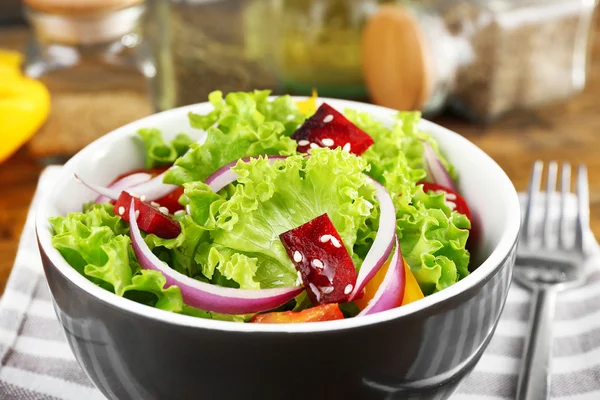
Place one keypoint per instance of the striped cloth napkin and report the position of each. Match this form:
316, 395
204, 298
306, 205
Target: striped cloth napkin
37, 363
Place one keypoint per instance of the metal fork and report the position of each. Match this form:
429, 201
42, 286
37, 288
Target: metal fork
547, 268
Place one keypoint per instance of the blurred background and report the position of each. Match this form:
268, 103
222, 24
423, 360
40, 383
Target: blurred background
520, 78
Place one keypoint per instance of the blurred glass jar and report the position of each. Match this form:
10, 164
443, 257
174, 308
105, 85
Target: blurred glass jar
91, 57
320, 46
481, 58
206, 45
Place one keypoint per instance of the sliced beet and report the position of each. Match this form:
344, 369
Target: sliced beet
151, 219
322, 260
329, 128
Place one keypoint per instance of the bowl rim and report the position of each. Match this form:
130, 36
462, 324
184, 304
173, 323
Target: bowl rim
485, 271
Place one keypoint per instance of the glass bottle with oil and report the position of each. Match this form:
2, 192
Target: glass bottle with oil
321, 46
90, 55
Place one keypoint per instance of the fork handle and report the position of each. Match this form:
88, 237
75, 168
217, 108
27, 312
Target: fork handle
534, 377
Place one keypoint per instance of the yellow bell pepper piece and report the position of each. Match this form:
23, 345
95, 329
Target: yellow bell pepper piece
412, 290
24, 105
309, 106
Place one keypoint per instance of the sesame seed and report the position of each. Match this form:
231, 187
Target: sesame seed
325, 238
327, 289
318, 263
314, 146
450, 196
328, 142
299, 279
346, 147
315, 291
121, 210
303, 142
451, 204
154, 204
143, 197
335, 242
164, 210
179, 213
137, 214
328, 119
297, 256
348, 289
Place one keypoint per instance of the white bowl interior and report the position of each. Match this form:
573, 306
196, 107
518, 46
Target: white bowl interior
487, 189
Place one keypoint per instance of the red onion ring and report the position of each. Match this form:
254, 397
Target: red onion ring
153, 189
224, 175
204, 295
383, 243
104, 191
149, 189
392, 287
125, 183
435, 168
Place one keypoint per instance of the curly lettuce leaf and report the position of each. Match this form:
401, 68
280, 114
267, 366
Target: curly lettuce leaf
270, 199
413, 145
433, 241
232, 266
148, 287
249, 108
79, 236
195, 312
179, 252
432, 237
398, 152
96, 243
160, 153
240, 125
221, 148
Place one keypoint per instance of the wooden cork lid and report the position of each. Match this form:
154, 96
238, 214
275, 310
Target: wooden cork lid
396, 61
79, 6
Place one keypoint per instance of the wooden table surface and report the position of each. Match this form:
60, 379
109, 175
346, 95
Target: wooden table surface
565, 132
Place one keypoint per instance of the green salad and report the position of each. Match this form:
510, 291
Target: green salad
287, 212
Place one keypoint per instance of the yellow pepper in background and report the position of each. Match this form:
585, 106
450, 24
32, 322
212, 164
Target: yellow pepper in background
24, 104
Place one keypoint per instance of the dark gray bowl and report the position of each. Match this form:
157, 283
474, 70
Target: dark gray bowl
419, 351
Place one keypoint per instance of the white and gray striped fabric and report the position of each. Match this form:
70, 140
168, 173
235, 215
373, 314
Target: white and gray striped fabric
37, 363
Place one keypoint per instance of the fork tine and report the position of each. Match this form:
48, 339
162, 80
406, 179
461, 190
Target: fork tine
532, 194
550, 190
583, 207
565, 189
